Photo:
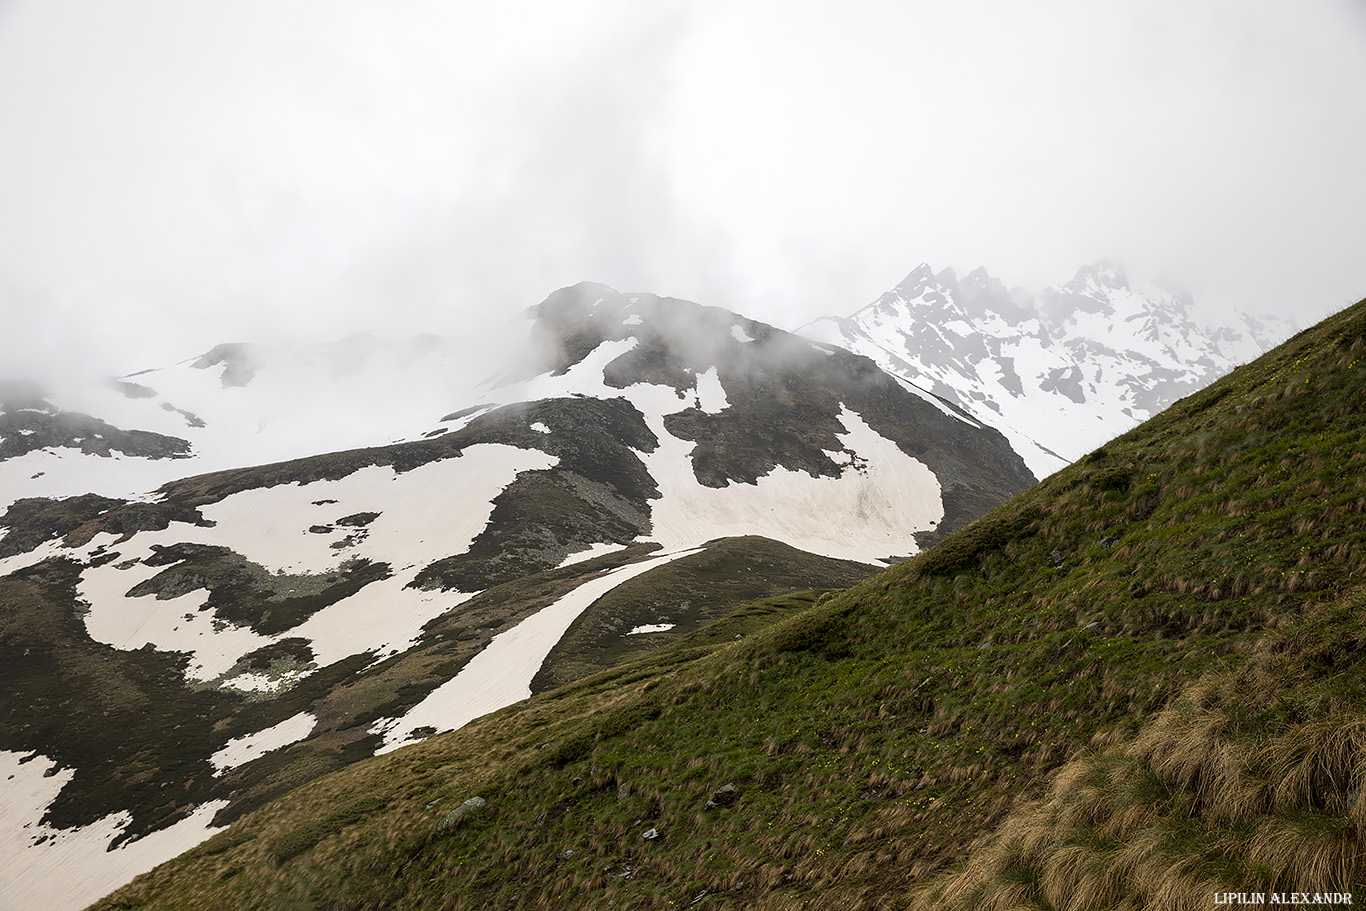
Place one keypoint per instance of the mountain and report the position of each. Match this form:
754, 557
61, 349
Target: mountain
175, 659
1059, 372
233, 406
1135, 685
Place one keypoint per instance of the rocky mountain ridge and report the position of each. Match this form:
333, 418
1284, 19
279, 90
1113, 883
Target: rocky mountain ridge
1058, 372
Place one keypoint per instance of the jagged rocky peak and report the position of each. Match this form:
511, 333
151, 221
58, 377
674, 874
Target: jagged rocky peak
1098, 277
917, 278
1094, 289
983, 296
1058, 371
944, 296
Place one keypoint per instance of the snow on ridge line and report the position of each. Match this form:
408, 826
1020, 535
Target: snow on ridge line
74, 867
501, 674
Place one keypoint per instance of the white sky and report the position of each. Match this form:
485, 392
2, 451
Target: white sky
176, 174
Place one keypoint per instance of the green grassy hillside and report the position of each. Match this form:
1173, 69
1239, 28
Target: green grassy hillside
1132, 686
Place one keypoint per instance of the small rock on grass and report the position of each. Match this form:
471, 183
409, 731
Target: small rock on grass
723, 796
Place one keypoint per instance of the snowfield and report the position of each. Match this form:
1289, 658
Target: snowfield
888, 496
242, 750
501, 674
270, 526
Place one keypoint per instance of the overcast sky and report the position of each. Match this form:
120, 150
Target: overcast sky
177, 174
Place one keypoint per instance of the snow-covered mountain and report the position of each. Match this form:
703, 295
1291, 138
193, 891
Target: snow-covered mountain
1058, 372
233, 406
368, 563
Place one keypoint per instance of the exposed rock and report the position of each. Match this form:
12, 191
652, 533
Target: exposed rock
459, 814
723, 796
28, 430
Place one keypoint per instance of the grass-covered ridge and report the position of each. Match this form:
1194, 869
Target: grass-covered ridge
890, 744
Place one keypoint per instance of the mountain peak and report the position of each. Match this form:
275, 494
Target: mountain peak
1101, 275
916, 280
979, 276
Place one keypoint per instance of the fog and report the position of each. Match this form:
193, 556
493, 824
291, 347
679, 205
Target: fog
177, 175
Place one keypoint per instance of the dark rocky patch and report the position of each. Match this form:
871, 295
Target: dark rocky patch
599, 491
293, 649
244, 593
133, 390
137, 738
25, 430
127, 519
191, 419
33, 520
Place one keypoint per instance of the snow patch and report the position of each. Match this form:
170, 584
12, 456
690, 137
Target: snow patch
72, 868
711, 395
540, 428
263, 683
739, 334
430, 512
501, 674
651, 628
414, 524
888, 495
595, 550
632, 320
242, 750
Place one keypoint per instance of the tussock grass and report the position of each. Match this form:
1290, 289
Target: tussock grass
1248, 782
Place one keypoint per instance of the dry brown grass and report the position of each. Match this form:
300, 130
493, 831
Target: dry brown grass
1248, 781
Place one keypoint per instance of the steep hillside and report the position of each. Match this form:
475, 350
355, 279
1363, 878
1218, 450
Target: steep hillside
171, 660
1173, 615
1059, 372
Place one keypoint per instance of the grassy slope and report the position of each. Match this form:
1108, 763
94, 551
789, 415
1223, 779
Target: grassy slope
689, 592
1206, 562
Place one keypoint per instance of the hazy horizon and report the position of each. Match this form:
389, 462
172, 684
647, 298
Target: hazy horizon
177, 176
